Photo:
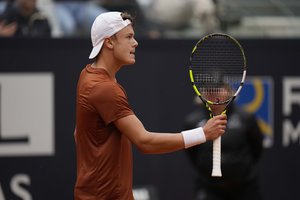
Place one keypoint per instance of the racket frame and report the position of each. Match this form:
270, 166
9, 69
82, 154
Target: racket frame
216, 171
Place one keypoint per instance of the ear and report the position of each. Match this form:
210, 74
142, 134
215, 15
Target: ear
108, 43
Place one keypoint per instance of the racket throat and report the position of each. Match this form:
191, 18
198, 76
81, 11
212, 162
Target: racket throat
217, 110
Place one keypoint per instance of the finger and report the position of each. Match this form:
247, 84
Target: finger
223, 127
220, 117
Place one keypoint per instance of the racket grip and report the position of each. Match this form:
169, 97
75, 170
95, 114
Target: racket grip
216, 171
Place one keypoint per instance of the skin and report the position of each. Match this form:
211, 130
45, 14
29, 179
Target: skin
8, 30
26, 6
119, 50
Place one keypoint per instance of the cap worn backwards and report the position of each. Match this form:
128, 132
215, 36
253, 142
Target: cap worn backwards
104, 26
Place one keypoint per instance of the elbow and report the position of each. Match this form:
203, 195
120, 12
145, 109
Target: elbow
143, 144
144, 150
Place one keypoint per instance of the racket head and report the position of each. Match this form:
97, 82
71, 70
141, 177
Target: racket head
217, 68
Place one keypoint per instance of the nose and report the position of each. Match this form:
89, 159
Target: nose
135, 44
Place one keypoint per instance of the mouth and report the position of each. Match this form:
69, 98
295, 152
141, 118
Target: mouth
132, 54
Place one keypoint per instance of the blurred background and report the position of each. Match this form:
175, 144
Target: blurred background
44, 45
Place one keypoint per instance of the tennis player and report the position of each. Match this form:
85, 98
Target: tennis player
106, 126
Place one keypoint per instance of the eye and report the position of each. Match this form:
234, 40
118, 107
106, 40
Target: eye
130, 36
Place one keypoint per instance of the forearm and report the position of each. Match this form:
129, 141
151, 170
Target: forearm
156, 143
169, 142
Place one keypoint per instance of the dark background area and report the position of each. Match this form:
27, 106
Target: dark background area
159, 91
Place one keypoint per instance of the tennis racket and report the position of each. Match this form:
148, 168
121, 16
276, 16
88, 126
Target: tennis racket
217, 71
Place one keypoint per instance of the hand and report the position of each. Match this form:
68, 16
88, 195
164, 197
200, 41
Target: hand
8, 30
215, 127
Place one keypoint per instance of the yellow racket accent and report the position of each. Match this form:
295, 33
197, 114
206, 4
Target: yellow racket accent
191, 76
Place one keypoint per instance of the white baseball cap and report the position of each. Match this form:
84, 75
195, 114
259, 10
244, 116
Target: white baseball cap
104, 26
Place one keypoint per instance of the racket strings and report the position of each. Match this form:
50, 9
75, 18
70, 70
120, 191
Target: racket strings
218, 66
218, 95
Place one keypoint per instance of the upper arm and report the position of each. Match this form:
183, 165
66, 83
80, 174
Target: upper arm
110, 101
133, 128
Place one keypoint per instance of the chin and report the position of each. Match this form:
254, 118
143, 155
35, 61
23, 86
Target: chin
131, 62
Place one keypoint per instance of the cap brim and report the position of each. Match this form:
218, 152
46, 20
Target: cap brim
96, 50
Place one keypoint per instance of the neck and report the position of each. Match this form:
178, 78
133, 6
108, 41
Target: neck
107, 61
108, 68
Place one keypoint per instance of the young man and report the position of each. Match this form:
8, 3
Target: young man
106, 126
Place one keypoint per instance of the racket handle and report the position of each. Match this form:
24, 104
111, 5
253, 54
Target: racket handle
216, 171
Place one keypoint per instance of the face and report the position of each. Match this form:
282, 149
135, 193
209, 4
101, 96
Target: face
26, 5
124, 45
